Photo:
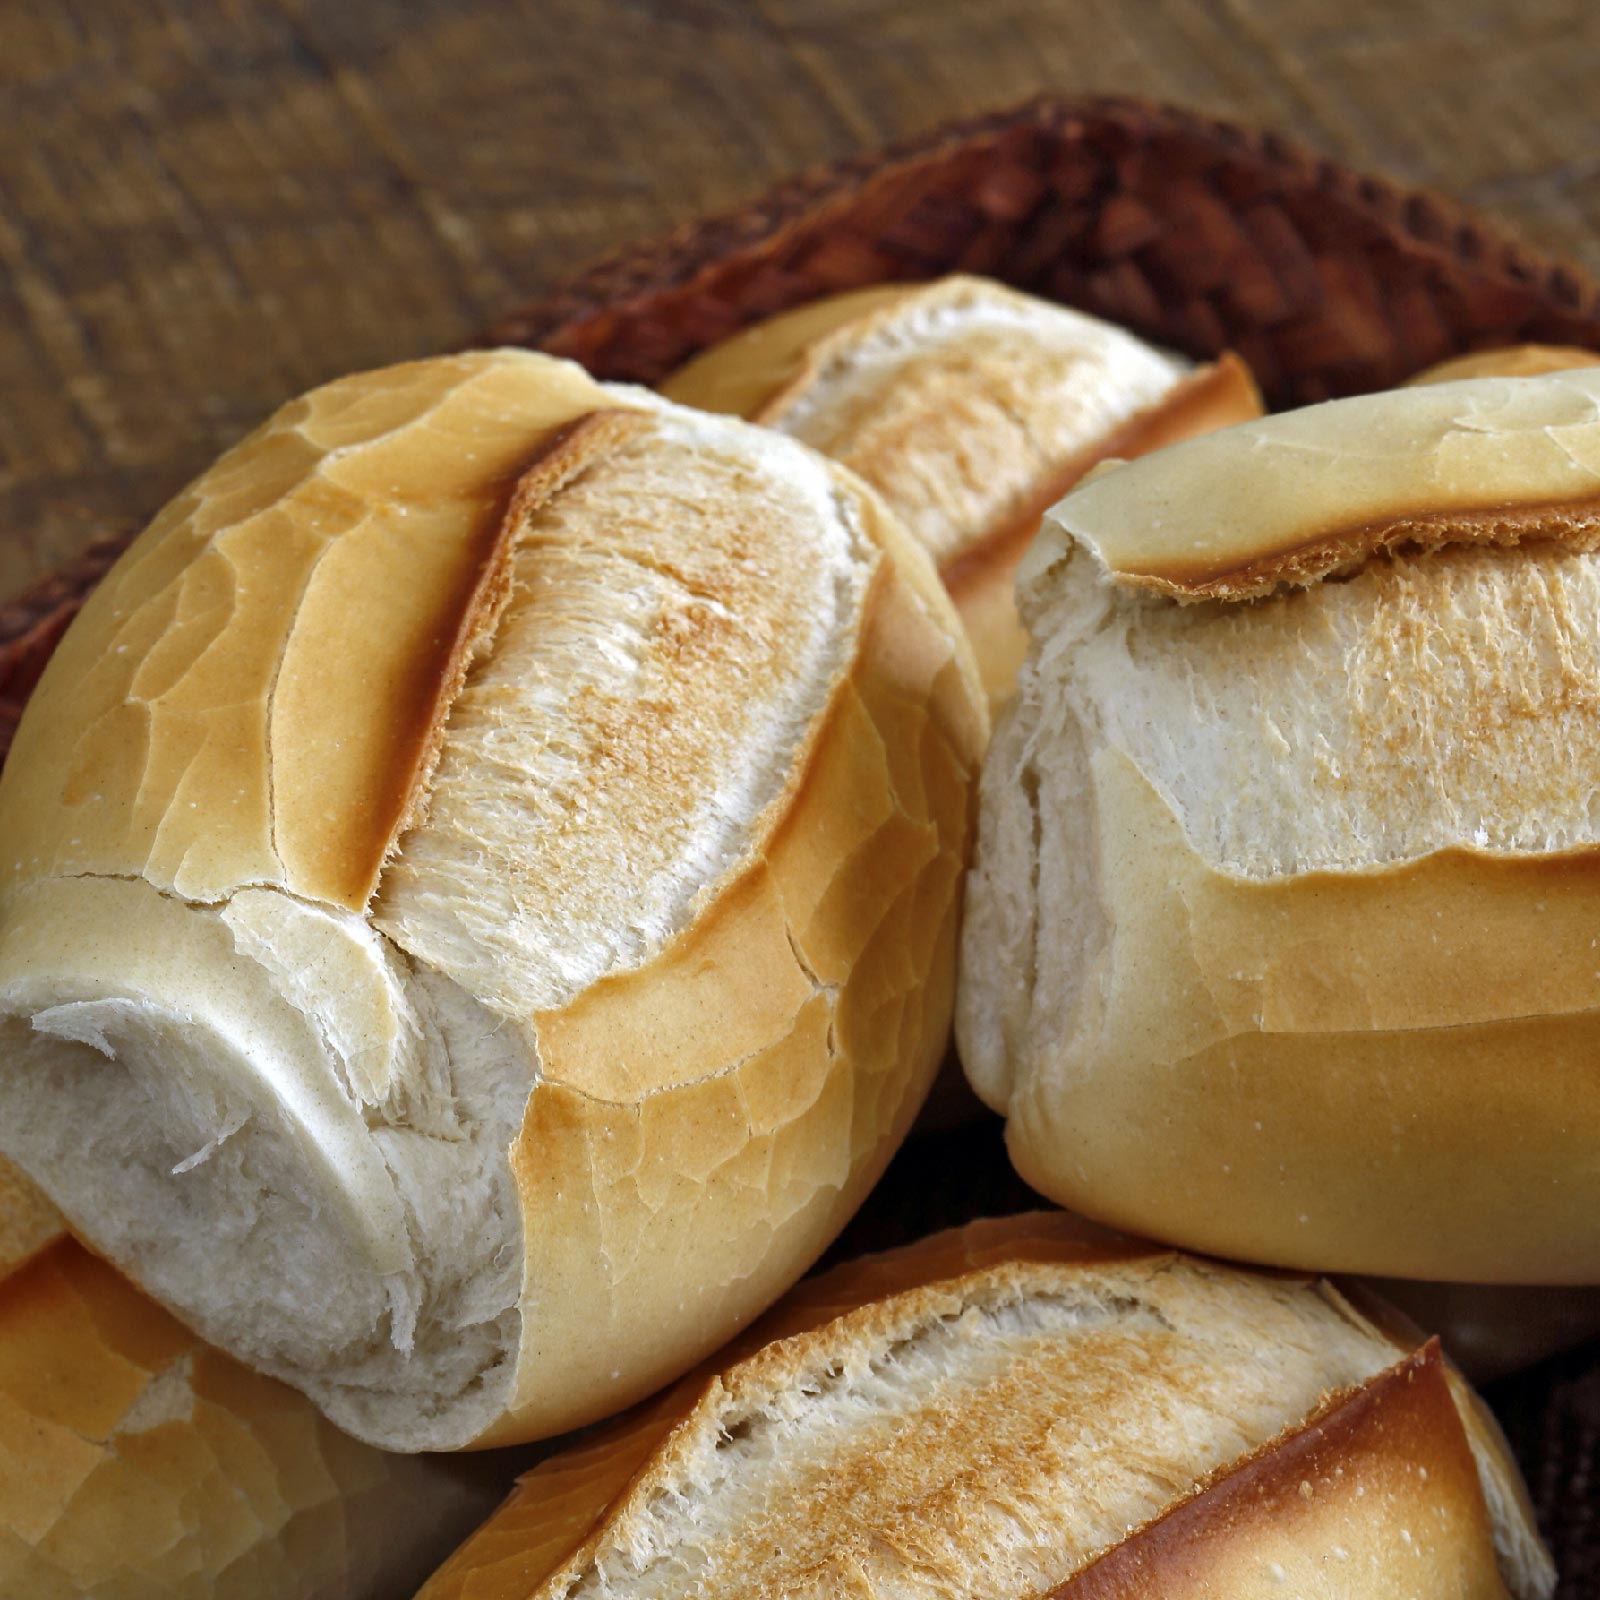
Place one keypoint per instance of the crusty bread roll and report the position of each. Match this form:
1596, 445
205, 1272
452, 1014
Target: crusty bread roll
479, 898
135, 1461
971, 408
1030, 1406
1280, 941
1514, 361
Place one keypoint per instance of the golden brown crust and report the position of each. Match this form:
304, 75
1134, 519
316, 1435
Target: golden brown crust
29, 1224
840, 330
949, 399
711, 1093
971, 409
982, 578
467, 618
555, 1507
1304, 495
1288, 1518
1516, 361
1419, 1074
740, 375
1211, 397
787, 1038
1574, 524
133, 1459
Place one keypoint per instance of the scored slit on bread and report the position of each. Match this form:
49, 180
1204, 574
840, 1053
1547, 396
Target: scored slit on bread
991, 1411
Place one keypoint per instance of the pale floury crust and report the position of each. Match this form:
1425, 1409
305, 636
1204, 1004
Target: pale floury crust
134, 1459
1279, 940
28, 1222
505, 834
970, 408
1065, 1408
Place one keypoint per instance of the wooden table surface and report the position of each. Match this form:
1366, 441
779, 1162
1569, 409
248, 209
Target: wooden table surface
208, 205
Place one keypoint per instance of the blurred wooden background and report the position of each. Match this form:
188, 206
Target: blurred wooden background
205, 207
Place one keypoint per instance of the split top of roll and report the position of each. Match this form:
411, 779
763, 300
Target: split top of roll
1311, 494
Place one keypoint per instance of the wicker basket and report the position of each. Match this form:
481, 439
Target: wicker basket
1197, 233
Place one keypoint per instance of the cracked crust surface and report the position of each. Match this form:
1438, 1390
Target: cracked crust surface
617, 946
258, 685
726, 1106
133, 1459
991, 1411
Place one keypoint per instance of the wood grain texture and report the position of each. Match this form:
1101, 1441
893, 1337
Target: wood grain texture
206, 207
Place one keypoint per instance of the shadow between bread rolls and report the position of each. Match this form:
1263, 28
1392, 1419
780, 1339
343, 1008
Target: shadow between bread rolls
480, 891
1032, 1407
1281, 941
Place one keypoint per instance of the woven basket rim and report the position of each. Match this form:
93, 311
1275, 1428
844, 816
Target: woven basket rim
1427, 222
1430, 222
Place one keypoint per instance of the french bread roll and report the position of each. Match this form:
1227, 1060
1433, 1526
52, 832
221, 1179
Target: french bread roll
479, 894
971, 408
1280, 943
135, 1461
1029, 1407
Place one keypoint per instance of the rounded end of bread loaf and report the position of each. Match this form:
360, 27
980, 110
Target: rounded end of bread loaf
138, 1460
1515, 361
177, 1080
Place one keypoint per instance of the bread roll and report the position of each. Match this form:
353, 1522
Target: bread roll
1515, 361
480, 887
1281, 938
134, 1461
971, 408
1026, 1407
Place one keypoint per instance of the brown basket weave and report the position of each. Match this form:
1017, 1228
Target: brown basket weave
1197, 233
